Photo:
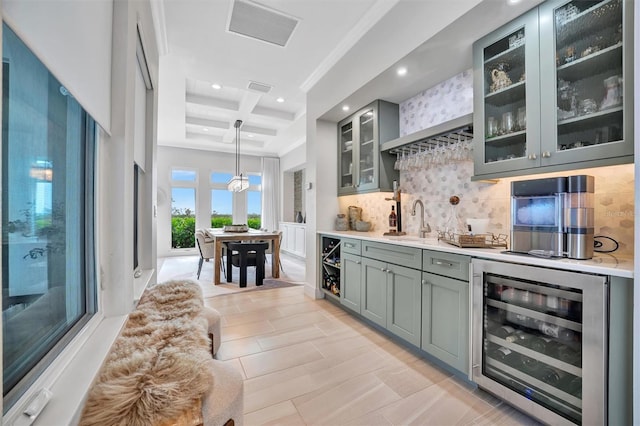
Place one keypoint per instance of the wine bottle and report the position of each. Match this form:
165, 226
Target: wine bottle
551, 376
529, 365
503, 331
393, 220
570, 355
556, 331
520, 337
573, 386
504, 355
545, 345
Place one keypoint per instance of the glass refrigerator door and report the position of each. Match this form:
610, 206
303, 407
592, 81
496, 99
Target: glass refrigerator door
532, 341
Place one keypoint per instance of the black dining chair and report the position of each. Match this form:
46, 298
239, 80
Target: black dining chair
244, 254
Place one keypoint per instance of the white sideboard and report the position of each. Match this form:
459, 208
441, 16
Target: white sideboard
293, 238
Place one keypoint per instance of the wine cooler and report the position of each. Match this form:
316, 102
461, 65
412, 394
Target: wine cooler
539, 340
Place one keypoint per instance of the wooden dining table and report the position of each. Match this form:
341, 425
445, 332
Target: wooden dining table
219, 236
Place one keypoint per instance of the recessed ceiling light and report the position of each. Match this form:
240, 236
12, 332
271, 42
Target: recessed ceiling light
205, 129
402, 71
345, 108
513, 1
216, 86
280, 99
250, 135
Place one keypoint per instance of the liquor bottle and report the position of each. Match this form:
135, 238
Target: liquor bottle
393, 220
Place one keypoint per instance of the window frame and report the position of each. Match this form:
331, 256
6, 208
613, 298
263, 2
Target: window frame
54, 359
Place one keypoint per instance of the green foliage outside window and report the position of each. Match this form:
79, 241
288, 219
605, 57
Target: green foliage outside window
183, 230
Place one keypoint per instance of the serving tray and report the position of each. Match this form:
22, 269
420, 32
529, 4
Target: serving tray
473, 241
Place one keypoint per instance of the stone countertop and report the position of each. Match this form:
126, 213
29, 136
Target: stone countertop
602, 263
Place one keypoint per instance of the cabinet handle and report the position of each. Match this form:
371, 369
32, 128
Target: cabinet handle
532, 157
383, 269
546, 154
357, 262
441, 263
349, 245
389, 271
425, 282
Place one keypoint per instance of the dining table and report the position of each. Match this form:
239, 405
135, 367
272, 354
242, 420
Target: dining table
220, 236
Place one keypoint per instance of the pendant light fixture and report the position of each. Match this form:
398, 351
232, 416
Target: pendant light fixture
238, 183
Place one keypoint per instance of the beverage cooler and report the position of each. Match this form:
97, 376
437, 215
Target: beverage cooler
539, 340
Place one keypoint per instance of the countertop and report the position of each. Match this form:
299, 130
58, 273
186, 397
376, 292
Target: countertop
604, 264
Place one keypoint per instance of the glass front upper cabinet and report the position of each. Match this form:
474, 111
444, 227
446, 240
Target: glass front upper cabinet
507, 86
346, 155
590, 79
367, 153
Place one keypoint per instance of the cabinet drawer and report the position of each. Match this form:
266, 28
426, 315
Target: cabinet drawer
398, 255
449, 265
351, 246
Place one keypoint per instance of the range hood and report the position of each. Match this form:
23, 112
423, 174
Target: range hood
450, 132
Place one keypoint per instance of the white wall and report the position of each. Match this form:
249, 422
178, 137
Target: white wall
204, 162
290, 162
79, 54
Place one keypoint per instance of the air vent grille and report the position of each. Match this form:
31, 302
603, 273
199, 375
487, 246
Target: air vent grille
259, 87
262, 23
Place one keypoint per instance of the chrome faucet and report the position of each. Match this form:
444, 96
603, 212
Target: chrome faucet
423, 229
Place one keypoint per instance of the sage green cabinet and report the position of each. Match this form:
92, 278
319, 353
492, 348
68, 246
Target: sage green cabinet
391, 298
445, 319
351, 280
403, 303
553, 90
362, 167
373, 298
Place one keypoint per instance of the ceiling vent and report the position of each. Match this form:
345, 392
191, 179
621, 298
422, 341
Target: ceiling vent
260, 22
259, 87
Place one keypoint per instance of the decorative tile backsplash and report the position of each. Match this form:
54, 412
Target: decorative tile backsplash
614, 193
614, 202
448, 100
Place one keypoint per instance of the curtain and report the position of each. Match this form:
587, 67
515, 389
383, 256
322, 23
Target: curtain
270, 193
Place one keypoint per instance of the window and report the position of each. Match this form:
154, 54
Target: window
183, 175
254, 202
48, 269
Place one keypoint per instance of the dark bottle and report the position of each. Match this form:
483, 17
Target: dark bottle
570, 355
520, 337
573, 386
551, 376
529, 365
393, 220
503, 331
504, 355
558, 332
545, 345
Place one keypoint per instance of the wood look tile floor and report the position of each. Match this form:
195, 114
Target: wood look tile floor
309, 362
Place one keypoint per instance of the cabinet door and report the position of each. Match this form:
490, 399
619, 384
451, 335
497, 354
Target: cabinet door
586, 80
300, 240
350, 281
507, 97
368, 149
445, 319
403, 303
373, 298
347, 163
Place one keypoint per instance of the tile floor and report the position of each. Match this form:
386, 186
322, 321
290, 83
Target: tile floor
309, 362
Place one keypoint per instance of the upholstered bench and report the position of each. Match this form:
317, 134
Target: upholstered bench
160, 369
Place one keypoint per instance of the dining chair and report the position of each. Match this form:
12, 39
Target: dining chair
207, 250
245, 254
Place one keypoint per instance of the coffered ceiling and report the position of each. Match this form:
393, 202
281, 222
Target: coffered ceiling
262, 83
216, 67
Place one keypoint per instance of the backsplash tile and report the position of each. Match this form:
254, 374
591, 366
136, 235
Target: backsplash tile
448, 100
614, 201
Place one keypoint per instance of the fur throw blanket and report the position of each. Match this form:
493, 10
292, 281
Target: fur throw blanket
156, 369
